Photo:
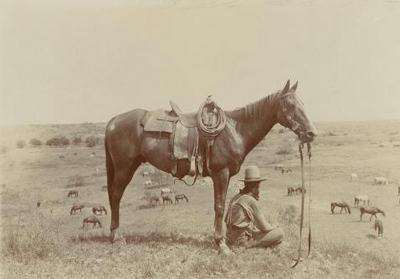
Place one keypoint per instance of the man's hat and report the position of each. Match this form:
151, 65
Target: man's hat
252, 174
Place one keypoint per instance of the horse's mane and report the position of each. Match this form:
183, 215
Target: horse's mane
255, 109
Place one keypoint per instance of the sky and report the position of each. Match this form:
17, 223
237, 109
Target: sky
74, 61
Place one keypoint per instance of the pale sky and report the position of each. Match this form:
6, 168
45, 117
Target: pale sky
73, 61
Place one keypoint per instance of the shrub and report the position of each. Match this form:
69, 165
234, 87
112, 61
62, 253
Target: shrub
3, 149
284, 151
35, 142
77, 141
21, 144
92, 141
58, 141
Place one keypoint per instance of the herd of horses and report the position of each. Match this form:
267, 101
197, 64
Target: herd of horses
96, 210
364, 209
166, 196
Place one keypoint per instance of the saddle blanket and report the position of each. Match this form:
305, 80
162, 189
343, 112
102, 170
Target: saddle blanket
158, 121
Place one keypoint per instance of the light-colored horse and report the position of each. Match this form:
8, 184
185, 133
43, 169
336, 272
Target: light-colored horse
359, 198
381, 180
148, 183
353, 177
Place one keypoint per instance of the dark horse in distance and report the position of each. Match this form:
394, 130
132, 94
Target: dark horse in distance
128, 146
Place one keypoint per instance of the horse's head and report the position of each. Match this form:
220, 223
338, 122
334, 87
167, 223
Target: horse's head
292, 115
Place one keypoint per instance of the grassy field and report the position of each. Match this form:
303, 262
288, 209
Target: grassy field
176, 241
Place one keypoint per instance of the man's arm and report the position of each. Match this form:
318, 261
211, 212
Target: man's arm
258, 218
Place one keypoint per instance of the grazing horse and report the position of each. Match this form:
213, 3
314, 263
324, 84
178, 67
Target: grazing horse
300, 190
167, 195
76, 208
290, 191
73, 193
91, 219
148, 183
359, 198
286, 170
381, 180
379, 227
99, 209
145, 174
353, 177
181, 197
127, 146
370, 210
279, 167
342, 205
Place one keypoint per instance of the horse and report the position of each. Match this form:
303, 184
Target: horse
127, 146
180, 197
145, 174
76, 208
279, 167
379, 227
104, 188
61, 157
167, 195
301, 190
148, 183
73, 193
370, 210
100, 209
91, 219
353, 177
342, 205
285, 170
38, 204
381, 180
290, 191
359, 198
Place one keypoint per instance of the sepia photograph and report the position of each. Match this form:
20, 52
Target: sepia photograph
200, 139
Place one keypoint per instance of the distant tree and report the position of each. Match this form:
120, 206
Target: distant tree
35, 142
92, 141
21, 144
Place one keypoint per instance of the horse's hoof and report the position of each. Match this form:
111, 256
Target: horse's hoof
117, 237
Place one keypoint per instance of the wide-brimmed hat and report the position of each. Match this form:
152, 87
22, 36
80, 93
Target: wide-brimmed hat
252, 174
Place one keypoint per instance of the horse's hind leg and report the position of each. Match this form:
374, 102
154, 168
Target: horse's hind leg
122, 177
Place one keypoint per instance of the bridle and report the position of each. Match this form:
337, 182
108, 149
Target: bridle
295, 126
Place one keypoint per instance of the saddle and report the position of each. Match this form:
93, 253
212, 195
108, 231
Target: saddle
185, 130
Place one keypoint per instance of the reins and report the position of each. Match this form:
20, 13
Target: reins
301, 146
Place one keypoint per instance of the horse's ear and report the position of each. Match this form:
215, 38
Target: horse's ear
286, 88
294, 87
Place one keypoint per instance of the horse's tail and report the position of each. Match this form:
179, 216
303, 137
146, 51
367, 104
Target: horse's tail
110, 170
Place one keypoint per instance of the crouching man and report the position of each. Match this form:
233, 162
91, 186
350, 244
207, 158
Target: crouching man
246, 225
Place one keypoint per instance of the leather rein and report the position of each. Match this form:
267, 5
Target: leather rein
301, 146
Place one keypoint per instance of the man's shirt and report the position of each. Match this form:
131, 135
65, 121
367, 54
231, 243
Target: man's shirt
243, 211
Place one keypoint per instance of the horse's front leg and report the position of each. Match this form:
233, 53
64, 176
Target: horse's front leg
220, 181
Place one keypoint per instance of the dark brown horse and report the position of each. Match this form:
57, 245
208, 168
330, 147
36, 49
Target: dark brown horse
291, 191
128, 146
91, 219
370, 210
342, 205
100, 209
